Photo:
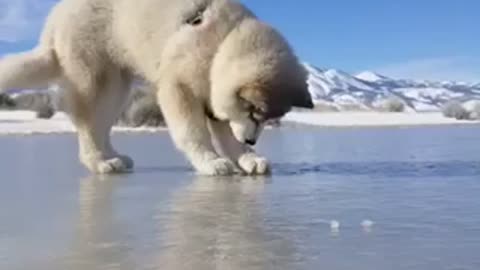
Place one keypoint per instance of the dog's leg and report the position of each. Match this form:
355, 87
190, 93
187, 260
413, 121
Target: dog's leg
187, 123
115, 98
94, 118
246, 158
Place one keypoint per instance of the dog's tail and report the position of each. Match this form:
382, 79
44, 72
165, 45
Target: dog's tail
34, 69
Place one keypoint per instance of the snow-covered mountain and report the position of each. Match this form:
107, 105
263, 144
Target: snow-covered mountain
366, 90
336, 90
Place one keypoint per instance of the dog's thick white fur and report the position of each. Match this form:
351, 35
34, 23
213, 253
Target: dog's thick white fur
218, 71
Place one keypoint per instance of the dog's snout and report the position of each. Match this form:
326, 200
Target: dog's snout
251, 142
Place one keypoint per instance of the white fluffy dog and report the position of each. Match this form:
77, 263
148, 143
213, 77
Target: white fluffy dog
218, 71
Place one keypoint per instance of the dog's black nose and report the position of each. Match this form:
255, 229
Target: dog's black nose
251, 142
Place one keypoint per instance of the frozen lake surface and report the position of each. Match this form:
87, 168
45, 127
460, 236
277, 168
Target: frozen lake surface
376, 198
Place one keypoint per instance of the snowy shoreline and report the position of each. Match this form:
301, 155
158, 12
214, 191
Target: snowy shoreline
372, 119
25, 122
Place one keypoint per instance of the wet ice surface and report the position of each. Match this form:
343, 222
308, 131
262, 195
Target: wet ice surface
339, 199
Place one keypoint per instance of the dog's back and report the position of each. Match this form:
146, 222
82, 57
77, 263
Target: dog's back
126, 33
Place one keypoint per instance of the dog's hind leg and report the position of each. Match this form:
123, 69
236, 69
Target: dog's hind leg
94, 116
245, 156
116, 96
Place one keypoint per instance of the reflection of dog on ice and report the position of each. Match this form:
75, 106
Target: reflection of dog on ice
217, 70
218, 223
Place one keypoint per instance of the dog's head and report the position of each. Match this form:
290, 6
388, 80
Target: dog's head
253, 74
255, 77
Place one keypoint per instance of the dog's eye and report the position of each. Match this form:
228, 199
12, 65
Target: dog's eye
195, 19
255, 117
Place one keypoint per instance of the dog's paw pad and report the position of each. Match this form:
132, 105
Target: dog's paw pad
254, 164
217, 167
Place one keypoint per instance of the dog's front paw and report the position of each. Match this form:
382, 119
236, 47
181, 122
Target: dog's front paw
217, 167
251, 163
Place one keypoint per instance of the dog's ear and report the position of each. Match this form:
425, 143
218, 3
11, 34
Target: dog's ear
298, 88
301, 97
